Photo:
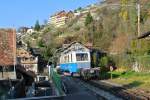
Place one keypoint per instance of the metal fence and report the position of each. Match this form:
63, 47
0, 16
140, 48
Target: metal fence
56, 78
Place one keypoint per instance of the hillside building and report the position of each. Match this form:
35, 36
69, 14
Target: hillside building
59, 19
27, 60
7, 54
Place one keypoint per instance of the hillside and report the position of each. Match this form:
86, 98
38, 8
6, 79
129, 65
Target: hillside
112, 29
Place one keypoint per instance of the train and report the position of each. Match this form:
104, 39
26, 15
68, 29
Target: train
76, 59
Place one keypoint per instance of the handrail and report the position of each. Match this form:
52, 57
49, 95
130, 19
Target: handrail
56, 78
38, 98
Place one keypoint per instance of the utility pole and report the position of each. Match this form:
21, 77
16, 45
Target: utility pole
138, 12
138, 28
14, 44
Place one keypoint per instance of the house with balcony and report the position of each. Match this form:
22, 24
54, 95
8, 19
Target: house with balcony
27, 60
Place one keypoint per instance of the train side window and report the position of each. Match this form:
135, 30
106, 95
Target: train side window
68, 59
82, 57
71, 57
1, 68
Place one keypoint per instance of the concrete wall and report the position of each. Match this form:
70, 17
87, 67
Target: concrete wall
6, 75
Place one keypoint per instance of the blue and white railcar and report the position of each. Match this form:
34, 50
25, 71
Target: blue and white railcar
76, 56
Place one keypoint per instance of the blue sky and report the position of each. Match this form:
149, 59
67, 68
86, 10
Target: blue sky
25, 12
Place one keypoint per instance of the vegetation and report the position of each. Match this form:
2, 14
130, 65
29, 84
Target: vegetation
112, 29
89, 19
132, 80
37, 26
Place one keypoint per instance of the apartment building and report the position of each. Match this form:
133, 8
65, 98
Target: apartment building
59, 19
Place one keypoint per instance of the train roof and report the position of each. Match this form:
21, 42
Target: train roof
75, 46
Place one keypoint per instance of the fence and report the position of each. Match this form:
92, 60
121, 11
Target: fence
144, 62
131, 62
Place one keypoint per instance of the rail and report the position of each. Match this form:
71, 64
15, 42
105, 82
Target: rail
56, 78
39, 98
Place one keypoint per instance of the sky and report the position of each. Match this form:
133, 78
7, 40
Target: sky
16, 13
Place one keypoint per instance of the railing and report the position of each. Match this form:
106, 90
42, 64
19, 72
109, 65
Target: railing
57, 81
144, 62
41, 98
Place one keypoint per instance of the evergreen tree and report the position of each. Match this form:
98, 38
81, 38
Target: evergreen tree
37, 26
89, 19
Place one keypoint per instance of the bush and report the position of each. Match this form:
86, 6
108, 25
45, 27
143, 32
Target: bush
106, 62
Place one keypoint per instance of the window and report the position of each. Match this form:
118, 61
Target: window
1, 68
65, 59
71, 57
82, 57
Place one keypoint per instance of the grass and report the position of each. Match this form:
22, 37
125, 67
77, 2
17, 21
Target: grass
132, 80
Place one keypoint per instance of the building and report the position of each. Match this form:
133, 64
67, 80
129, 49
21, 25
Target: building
7, 53
30, 31
59, 19
23, 29
27, 60
42, 63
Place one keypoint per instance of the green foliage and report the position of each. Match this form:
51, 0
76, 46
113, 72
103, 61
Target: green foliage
77, 28
103, 32
104, 61
47, 53
37, 26
41, 43
80, 8
89, 19
124, 12
34, 35
144, 14
94, 59
28, 44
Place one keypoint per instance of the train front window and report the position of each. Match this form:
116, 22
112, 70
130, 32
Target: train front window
82, 57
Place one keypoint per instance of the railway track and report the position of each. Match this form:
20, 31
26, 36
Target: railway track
98, 91
77, 86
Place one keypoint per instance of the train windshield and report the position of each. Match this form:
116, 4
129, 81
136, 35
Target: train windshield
82, 57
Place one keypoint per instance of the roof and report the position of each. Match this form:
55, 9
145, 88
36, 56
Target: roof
7, 46
59, 13
35, 51
144, 35
64, 49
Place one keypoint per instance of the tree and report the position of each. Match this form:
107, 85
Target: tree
41, 43
37, 26
79, 9
89, 19
124, 11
